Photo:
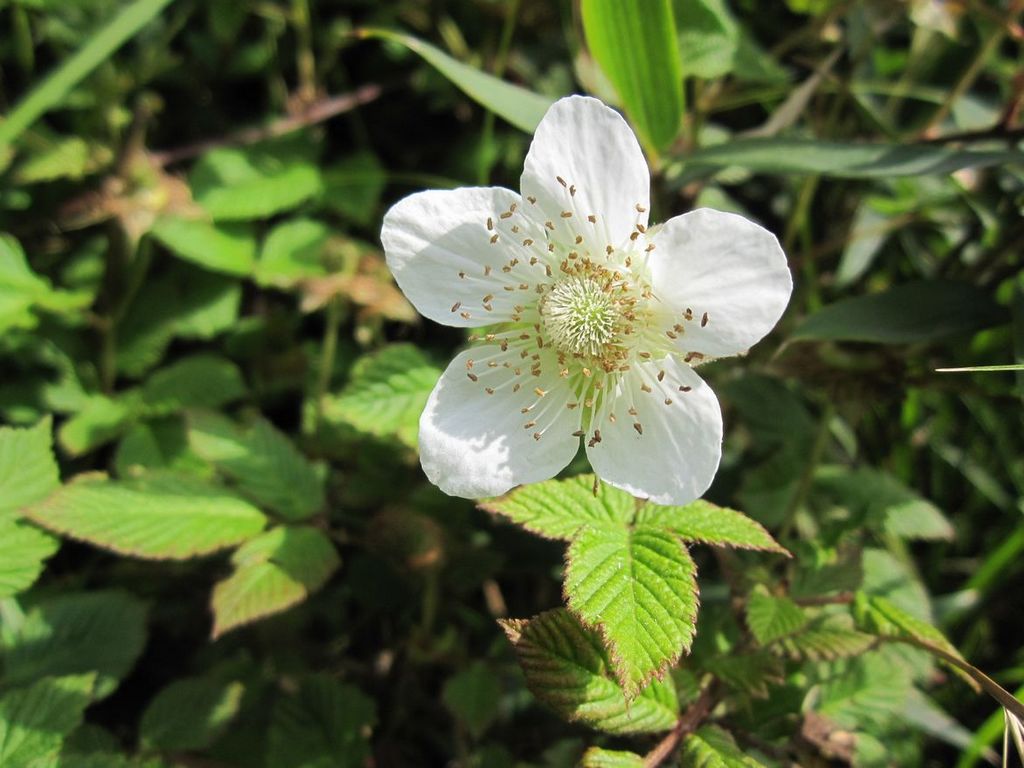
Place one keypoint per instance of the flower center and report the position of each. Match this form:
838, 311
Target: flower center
581, 316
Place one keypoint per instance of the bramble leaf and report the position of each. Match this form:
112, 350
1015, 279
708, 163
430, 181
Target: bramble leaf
22, 552
711, 747
261, 461
189, 714
638, 588
706, 523
272, 573
158, 516
101, 633
28, 469
770, 617
567, 668
34, 720
557, 509
386, 394
595, 757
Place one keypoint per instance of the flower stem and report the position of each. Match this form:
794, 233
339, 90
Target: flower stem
685, 725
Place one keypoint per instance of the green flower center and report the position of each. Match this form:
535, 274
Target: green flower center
582, 317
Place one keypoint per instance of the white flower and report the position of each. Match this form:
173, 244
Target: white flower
594, 319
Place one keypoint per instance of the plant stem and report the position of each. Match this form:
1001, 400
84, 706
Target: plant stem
328, 352
807, 477
685, 725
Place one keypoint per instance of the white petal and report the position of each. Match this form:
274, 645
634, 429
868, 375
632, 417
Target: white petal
730, 272
474, 444
596, 154
438, 246
675, 458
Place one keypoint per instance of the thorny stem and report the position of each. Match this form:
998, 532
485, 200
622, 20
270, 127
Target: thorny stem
685, 725
317, 112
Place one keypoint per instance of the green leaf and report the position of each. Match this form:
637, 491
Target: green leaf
907, 314
709, 37
703, 522
189, 714
749, 673
638, 588
34, 720
200, 381
292, 252
238, 184
230, 249
567, 668
520, 107
386, 394
28, 469
771, 618
22, 290
98, 47
826, 644
101, 633
637, 49
839, 160
884, 501
867, 690
884, 618
153, 516
262, 462
473, 695
595, 757
557, 509
100, 420
22, 552
272, 573
711, 747
326, 724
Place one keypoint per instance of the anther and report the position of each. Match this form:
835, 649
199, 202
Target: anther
494, 238
579, 433
488, 298
640, 208
566, 214
487, 271
634, 235
536, 435
532, 199
668, 401
691, 356
489, 390
641, 228
490, 223
530, 425
465, 315
609, 250
473, 377
539, 392
579, 239
645, 388
561, 181
527, 242
638, 427
649, 248
592, 219
456, 305
684, 388
704, 320
462, 275
572, 191
506, 215
661, 375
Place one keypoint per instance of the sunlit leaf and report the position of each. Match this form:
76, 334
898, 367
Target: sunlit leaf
152, 516
189, 713
770, 617
23, 549
28, 470
34, 720
567, 668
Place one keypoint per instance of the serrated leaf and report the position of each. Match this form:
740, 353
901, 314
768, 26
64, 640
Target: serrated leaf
869, 689
885, 502
907, 314
387, 393
557, 509
706, 523
637, 49
638, 588
22, 552
230, 249
189, 714
750, 673
595, 757
712, 747
326, 724
708, 37
272, 573
101, 633
884, 618
771, 618
261, 461
22, 290
28, 469
155, 516
520, 107
473, 696
200, 381
34, 720
567, 668
100, 420
826, 644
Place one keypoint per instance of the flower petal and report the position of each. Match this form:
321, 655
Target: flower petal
475, 444
672, 457
449, 250
729, 272
591, 149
